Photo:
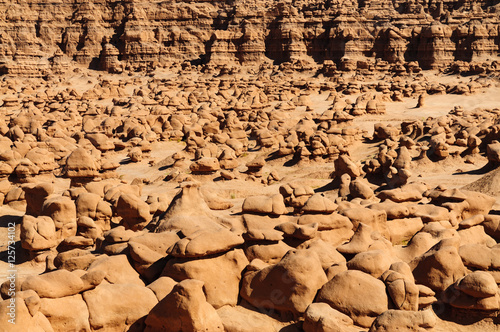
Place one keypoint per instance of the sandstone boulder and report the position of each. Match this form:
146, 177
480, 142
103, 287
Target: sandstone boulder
265, 205
290, 285
27, 315
38, 233
184, 309
116, 269
119, 307
241, 319
80, 164
60, 283
439, 267
202, 243
62, 210
66, 313
134, 212
35, 196
320, 317
478, 284
221, 274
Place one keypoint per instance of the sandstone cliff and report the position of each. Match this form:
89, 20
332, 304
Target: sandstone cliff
38, 36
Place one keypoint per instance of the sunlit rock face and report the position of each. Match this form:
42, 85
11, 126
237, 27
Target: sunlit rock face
113, 35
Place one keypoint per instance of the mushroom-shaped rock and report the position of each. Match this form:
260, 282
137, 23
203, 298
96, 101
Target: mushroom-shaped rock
255, 166
228, 159
25, 170
365, 238
296, 195
426, 296
108, 169
205, 165
373, 262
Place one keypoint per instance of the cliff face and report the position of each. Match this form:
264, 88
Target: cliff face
37, 36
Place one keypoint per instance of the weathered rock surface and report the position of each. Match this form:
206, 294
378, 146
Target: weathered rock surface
290, 285
116, 36
186, 309
346, 293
